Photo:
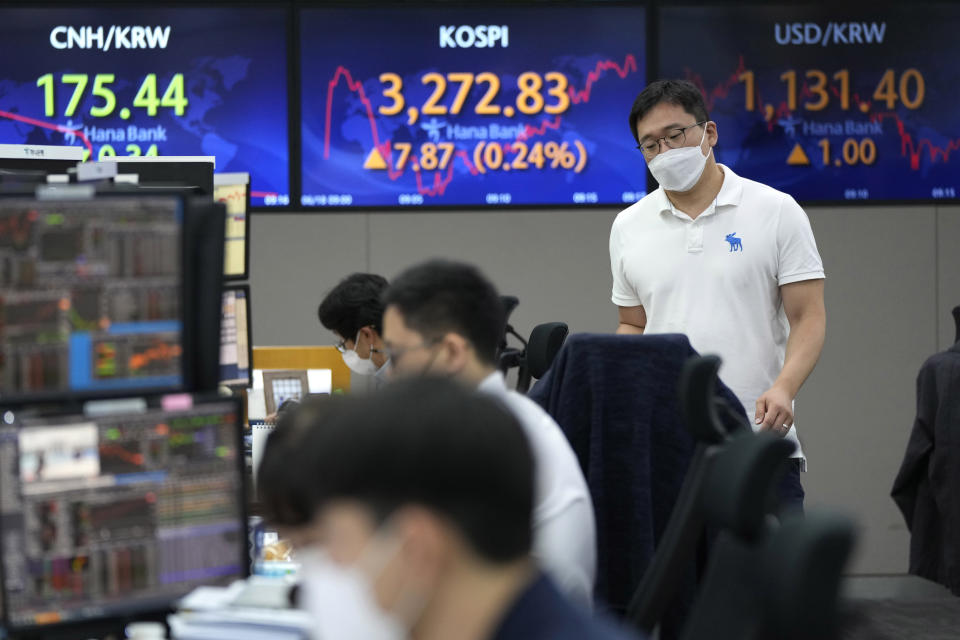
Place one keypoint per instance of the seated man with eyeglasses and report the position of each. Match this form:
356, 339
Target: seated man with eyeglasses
354, 313
445, 318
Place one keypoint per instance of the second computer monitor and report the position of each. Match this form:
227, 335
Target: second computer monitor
114, 515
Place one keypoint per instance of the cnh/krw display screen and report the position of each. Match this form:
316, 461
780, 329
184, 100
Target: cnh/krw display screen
140, 81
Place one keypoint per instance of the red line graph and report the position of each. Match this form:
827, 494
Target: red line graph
441, 182
910, 149
48, 125
629, 66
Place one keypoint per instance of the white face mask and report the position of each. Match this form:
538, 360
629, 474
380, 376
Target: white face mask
342, 601
680, 169
357, 364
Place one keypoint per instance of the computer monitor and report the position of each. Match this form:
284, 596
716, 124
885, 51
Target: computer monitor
195, 172
114, 515
236, 346
19, 160
92, 297
233, 189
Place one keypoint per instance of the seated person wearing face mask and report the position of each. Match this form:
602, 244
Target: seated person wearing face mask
353, 312
421, 505
445, 318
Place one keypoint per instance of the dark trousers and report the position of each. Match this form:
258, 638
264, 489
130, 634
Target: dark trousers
789, 490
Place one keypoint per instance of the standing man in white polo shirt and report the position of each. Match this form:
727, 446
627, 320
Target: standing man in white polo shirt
730, 262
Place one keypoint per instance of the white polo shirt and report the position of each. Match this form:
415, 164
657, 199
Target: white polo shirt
717, 278
564, 527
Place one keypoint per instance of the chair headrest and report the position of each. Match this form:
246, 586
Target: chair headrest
696, 390
543, 346
738, 489
803, 562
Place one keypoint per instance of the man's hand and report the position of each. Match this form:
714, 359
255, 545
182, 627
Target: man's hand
775, 411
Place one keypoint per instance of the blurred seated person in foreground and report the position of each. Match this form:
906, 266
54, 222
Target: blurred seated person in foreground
420, 520
445, 318
354, 313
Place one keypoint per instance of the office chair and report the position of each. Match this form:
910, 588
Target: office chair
703, 414
540, 352
781, 586
765, 581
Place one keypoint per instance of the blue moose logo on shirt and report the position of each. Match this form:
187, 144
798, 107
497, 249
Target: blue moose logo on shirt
736, 244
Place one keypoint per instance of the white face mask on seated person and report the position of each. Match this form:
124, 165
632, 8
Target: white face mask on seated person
360, 366
680, 169
342, 600
343, 597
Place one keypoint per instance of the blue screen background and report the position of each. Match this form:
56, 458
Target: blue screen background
917, 150
348, 49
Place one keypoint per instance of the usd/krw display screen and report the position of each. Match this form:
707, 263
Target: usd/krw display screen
119, 82
494, 106
827, 103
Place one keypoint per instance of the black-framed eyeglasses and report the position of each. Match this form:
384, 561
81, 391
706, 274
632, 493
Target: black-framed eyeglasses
674, 140
394, 354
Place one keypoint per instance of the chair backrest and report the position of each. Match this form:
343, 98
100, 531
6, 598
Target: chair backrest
739, 490
784, 586
615, 398
761, 579
803, 564
676, 553
544, 345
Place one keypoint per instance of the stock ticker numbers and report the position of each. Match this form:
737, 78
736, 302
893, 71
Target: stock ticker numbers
516, 112
823, 104
152, 82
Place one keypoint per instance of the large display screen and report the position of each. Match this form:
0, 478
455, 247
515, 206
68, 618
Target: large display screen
140, 81
827, 103
483, 106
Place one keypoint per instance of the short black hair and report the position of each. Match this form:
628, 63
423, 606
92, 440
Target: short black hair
431, 443
441, 296
679, 92
354, 304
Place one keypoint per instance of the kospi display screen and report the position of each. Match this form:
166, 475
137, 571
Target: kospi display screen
141, 81
507, 105
827, 103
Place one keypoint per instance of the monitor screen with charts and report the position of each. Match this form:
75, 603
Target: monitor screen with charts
90, 296
235, 344
233, 189
105, 517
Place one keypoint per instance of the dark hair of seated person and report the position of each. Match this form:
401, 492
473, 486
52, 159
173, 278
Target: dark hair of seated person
354, 304
426, 442
441, 296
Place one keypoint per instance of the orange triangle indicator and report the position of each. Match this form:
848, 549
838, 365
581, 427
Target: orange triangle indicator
375, 160
798, 157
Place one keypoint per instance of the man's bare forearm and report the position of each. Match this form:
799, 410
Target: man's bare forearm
803, 351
